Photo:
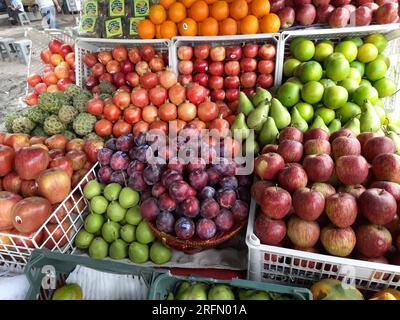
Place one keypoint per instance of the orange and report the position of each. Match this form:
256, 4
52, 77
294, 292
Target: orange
208, 27
239, 9
187, 3
210, 1
220, 10
260, 8
177, 12
166, 3
199, 10
249, 25
228, 27
146, 29
157, 14
270, 23
168, 30
158, 31
188, 27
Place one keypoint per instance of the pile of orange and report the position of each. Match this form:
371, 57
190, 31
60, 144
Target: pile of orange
192, 18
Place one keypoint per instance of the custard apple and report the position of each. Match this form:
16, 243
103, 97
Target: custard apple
104, 96
22, 124
8, 120
84, 124
38, 132
93, 136
69, 134
80, 102
64, 99
67, 114
53, 125
37, 115
49, 102
106, 87
72, 90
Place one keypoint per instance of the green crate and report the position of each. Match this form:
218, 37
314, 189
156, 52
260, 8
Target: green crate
43, 263
166, 283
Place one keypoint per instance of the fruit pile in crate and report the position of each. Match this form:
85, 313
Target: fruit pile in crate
226, 69
333, 194
58, 74
37, 175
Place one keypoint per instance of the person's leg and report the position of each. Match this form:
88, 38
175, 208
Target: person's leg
53, 21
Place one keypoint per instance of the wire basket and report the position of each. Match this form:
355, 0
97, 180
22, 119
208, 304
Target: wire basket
91, 45
68, 219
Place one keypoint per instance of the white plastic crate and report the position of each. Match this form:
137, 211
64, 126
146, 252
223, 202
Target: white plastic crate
226, 41
282, 265
391, 31
15, 250
84, 45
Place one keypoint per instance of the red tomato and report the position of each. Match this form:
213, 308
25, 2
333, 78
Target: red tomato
111, 112
104, 128
121, 127
133, 115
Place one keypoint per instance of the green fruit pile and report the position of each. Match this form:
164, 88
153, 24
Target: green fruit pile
115, 228
57, 112
201, 291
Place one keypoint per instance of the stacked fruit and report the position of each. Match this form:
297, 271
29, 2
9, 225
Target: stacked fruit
56, 113
329, 83
201, 291
190, 18
226, 70
36, 175
176, 194
346, 185
59, 73
115, 227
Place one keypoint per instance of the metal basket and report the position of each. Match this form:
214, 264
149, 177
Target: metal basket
15, 250
84, 45
282, 265
391, 31
229, 40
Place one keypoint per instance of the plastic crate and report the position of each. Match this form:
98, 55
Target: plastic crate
282, 265
167, 283
84, 45
46, 268
230, 40
15, 250
391, 31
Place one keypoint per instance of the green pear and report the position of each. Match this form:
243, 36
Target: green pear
396, 140
269, 132
334, 126
280, 114
239, 127
170, 296
353, 125
253, 295
261, 95
319, 123
297, 121
381, 113
198, 291
369, 120
258, 116
181, 293
250, 146
245, 105
393, 127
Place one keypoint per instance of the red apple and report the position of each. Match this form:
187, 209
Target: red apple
341, 209
324, 188
355, 190
37, 140
343, 146
7, 156
248, 64
250, 50
391, 187
352, 169
387, 13
339, 18
270, 148
277, 5
287, 17
291, 133
267, 51
319, 167
29, 214
387, 167
378, 206
268, 165
55, 153
34, 243
302, 233
63, 163
308, 204
54, 184
323, 13
56, 236
12, 182
316, 133
29, 188
91, 149
202, 51
258, 188
317, 146
373, 241
363, 137
233, 53
30, 162
17, 141
305, 14
78, 159
292, 177
217, 53
7, 202
375, 146
338, 241
342, 133
290, 150
57, 141
185, 53
363, 16
275, 203
268, 230
75, 144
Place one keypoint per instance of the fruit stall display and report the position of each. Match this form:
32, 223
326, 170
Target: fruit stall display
41, 203
192, 18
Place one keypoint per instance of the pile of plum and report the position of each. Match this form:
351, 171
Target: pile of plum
190, 200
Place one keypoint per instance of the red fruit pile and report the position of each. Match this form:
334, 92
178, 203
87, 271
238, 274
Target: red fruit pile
227, 70
337, 194
60, 72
